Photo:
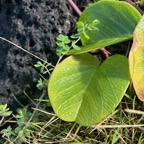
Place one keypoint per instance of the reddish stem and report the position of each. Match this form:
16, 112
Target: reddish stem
105, 52
78, 11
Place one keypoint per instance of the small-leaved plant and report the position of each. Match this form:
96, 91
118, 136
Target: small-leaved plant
64, 44
4, 111
21, 131
81, 88
45, 68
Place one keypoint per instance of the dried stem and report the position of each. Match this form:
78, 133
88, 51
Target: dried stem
25, 51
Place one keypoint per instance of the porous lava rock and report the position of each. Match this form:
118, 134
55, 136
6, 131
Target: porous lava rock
33, 25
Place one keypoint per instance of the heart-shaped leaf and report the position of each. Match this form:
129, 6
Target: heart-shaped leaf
117, 23
136, 60
82, 90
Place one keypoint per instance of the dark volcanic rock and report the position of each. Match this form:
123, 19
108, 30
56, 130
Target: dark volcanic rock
33, 25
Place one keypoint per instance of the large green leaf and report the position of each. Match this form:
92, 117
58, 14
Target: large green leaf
136, 60
82, 90
117, 23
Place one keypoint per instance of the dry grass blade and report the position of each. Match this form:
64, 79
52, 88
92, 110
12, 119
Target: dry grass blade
134, 111
117, 126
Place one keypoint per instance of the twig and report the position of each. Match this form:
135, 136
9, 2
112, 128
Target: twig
134, 111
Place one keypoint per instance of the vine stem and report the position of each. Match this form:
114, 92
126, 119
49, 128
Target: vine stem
78, 11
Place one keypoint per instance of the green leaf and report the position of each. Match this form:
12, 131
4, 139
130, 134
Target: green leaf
41, 84
136, 60
75, 36
7, 132
4, 111
118, 20
63, 38
82, 90
60, 44
38, 64
60, 37
85, 35
17, 129
95, 22
75, 46
66, 47
67, 41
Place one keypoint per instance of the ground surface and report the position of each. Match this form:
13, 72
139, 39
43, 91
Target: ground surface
33, 25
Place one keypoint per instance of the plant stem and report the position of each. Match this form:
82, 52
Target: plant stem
105, 52
78, 11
